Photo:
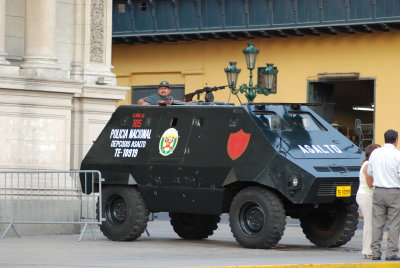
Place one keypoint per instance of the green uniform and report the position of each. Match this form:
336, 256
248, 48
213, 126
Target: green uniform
155, 98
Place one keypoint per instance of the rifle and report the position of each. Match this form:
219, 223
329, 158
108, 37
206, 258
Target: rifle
209, 97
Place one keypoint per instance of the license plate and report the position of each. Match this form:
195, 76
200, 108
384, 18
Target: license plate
343, 191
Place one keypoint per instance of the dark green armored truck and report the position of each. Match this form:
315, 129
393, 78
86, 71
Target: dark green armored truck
258, 162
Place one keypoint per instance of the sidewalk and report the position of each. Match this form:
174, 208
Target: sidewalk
165, 249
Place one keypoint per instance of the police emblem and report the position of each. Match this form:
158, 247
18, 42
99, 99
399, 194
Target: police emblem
168, 141
237, 144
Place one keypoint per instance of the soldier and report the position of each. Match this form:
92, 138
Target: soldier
163, 93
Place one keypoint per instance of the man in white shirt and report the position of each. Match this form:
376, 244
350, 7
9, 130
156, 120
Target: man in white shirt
384, 166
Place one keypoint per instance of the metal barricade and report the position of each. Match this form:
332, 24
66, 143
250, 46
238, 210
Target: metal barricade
51, 197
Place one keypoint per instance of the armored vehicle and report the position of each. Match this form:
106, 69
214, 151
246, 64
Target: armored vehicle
258, 162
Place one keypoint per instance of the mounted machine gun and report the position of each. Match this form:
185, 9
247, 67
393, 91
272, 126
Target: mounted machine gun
209, 97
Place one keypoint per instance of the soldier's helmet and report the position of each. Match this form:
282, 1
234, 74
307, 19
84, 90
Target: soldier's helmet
164, 84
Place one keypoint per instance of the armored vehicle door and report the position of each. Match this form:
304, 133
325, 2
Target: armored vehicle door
173, 185
172, 135
170, 146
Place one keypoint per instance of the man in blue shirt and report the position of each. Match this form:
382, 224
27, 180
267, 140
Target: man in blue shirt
163, 93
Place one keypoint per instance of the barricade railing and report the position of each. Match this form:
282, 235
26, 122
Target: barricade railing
51, 197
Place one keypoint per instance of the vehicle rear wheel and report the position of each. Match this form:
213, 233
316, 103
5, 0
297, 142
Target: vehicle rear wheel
194, 226
331, 226
257, 218
125, 213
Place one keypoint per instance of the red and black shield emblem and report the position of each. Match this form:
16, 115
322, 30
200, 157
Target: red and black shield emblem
237, 144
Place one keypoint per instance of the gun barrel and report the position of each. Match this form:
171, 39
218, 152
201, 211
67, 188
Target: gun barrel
189, 96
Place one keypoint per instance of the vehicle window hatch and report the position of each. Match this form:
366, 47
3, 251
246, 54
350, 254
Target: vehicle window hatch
305, 121
270, 120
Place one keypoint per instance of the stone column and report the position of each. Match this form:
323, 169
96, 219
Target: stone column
40, 42
96, 51
3, 53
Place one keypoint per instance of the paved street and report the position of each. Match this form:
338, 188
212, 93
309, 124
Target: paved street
163, 248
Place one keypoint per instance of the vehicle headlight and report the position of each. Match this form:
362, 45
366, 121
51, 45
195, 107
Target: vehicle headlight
294, 183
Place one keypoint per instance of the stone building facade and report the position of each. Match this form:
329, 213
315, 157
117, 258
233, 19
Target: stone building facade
56, 82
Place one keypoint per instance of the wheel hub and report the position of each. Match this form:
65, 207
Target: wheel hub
251, 218
116, 210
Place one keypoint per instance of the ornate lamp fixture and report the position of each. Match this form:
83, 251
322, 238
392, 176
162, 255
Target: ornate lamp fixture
268, 76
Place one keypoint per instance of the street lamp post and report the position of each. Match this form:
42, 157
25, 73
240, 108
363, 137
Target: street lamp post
269, 76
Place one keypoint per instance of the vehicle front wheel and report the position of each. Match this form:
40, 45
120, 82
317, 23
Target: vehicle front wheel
257, 218
125, 213
332, 225
194, 226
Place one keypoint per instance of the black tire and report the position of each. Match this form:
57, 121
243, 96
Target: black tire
194, 226
257, 218
331, 226
125, 213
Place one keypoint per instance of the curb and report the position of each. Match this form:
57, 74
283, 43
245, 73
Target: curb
324, 265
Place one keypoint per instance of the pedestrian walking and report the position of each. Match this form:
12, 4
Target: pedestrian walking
384, 167
364, 201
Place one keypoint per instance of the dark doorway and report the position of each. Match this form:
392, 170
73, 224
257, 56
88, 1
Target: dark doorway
344, 102
177, 91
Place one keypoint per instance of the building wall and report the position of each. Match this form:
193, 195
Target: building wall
299, 60
56, 83
57, 88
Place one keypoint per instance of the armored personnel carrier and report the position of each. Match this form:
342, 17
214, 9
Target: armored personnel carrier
259, 162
